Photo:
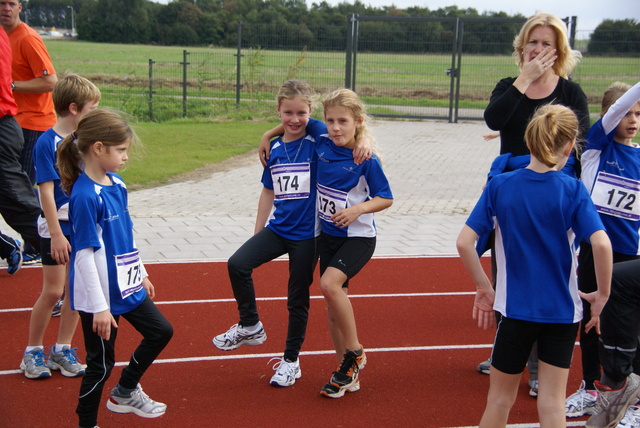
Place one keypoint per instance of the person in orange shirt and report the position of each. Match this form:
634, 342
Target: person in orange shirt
18, 203
33, 80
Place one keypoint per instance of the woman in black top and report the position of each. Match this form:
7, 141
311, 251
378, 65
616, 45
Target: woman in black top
545, 60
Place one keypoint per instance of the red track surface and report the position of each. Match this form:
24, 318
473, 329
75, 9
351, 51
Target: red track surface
422, 353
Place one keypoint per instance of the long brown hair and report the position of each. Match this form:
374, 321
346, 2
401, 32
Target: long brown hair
102, 125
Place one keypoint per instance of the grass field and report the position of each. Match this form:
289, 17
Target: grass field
220, 128
122, 72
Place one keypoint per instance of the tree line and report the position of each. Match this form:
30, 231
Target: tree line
319, 26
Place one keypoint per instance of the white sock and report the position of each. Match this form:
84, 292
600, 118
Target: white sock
253, 328
31, 348
58, 347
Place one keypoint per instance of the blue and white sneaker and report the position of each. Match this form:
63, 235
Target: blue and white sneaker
31, 258
35, 365
67, 362
14, 261
237, 336
631, 418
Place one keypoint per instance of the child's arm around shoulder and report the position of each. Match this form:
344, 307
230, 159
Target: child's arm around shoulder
485, 294
265, 143
603, 261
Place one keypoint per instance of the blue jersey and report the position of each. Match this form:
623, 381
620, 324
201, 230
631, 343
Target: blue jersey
291, 174
611, 172
342, 184
44, 159
537, 218
100, 220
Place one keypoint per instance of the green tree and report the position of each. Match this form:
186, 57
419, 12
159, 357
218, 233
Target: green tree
615, 37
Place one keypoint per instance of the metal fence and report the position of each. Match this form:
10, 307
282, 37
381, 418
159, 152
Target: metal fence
409, 78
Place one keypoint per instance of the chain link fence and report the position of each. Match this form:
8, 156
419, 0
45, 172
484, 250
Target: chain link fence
441, 68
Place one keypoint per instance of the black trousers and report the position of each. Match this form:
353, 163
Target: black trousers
156, 332
589, 342
620, 322
19, 205
265, 246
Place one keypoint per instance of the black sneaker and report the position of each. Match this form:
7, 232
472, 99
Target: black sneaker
345, 379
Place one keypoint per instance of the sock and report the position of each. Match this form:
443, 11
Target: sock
31, 348
123, 392
57, 348
251, 328
612, 383
592, 392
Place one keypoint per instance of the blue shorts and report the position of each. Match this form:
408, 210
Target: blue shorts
515, 339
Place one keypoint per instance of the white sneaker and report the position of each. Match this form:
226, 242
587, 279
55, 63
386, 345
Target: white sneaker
580, 403
286, 372
138, 402
237, 336
631, 418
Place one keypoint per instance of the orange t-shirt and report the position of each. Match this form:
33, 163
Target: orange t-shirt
31, 60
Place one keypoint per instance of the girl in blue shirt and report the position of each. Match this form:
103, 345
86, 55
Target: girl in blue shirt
286, 223
348, 195
611, 173
538, 214
107, 278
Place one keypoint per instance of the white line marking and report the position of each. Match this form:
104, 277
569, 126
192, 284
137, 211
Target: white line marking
279, 354
264, 299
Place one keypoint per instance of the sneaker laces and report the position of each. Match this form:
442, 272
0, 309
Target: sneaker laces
40, 356
578, 398
232, 334
71, 356
283, 367
348, 363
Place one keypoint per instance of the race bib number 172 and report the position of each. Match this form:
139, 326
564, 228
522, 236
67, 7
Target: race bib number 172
616, 196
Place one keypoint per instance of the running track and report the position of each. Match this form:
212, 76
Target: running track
414, 320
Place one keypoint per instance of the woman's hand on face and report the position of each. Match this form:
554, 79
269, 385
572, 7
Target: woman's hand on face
536, 67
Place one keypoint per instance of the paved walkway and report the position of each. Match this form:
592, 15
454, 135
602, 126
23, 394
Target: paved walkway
436, 170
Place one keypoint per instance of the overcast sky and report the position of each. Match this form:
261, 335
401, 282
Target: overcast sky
590, 13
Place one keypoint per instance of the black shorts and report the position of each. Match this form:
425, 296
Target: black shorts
45, 251
348, 255
515, 338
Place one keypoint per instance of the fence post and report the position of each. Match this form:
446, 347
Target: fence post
184, 82
238, 56
456, 61
572, 34
348, 72
151, 62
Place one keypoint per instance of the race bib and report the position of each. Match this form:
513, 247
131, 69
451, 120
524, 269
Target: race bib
330, 201
616, 196
291, 180
129, 273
